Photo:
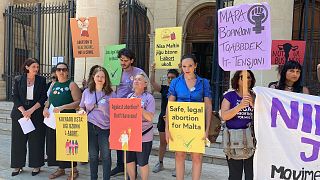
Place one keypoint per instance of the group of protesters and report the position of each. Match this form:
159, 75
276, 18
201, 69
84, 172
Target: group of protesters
33, 97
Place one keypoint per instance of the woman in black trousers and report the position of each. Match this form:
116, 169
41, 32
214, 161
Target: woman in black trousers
29, 96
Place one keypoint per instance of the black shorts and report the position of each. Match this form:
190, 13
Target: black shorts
142, 158
161, 124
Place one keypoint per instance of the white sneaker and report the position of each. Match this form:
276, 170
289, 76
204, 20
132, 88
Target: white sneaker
158, 167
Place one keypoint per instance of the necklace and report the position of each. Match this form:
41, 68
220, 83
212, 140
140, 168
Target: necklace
290, 88
30, 81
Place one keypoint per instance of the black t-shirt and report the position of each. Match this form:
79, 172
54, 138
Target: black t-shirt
164, 99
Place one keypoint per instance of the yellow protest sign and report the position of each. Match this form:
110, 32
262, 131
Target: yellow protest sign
71, 137
168, 47
187, 126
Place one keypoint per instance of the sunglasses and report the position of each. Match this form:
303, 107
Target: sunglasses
249, 77
170, 78
62, 69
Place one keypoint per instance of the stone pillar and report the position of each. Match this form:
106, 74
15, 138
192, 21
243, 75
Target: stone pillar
107, 13
281, 29
3, 6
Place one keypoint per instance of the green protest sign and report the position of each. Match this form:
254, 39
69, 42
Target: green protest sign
112, 63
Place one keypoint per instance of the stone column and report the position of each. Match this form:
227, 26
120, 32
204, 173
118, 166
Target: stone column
281, 29
107, 13
3, 5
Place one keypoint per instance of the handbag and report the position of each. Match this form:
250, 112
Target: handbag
215, 123
239, 143
215, 127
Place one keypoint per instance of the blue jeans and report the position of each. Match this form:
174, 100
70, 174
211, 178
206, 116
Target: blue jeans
99, 141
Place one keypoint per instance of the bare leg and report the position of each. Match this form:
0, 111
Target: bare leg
163, 146
180, 158
144, 172
196, 165
131, 170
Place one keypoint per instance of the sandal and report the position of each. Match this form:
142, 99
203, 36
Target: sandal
75, 175
59, 172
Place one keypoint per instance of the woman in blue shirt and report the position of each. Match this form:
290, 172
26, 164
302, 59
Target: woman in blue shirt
189, 87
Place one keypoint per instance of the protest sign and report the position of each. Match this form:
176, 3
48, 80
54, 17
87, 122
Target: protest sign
168, 43
287, 128
244, 37
186, 126
287, 50
85, 38
112, 63
72, 137
126, 124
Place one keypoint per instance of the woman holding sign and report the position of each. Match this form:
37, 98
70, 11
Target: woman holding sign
290, 78
29, 95
65, 97
189, 87
95, 103
140, 84
237, 111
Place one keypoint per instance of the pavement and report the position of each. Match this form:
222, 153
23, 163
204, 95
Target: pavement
209, 171
216, 169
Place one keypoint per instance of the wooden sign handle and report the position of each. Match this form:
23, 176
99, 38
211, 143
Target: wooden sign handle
85, 68
125, 164
245, 82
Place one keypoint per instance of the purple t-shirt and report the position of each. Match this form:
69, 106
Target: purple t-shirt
148, 104
243, 117
125, 86
99, 116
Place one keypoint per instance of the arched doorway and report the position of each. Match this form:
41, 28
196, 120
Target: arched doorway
199, 31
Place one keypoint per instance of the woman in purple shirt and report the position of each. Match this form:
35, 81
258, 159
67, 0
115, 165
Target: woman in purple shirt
95, 103
140, 84
237, 111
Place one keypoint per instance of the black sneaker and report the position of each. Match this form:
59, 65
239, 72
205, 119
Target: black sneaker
117, 171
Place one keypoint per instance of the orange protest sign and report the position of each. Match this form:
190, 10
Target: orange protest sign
85, 38
126, 124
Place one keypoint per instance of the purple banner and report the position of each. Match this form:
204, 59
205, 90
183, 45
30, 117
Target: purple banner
244, 37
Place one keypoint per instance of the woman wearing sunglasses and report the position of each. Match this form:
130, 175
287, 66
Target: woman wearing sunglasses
163, 89
65, 97
237, 111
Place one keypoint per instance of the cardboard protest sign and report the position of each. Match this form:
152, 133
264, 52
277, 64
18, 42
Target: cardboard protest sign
287, 50
126, 124
187, 126
85, 38
72, 137
168, 43
112, 63
288, 135
244, 37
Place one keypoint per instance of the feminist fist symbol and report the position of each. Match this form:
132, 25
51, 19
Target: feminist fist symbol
257, 15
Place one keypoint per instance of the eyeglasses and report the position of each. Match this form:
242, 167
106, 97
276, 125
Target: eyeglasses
62, 69
249, 77
170, 78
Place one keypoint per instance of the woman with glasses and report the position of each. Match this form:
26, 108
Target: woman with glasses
65, 97
290, 78
140, 84
163, 89
237, 111
29, 95
189, 87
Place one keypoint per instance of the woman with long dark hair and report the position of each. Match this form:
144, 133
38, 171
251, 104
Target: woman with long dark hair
290, 78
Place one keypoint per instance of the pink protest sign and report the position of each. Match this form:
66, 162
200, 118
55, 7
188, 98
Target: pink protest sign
244, 37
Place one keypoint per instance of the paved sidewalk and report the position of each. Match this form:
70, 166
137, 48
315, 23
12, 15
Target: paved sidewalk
210, 171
